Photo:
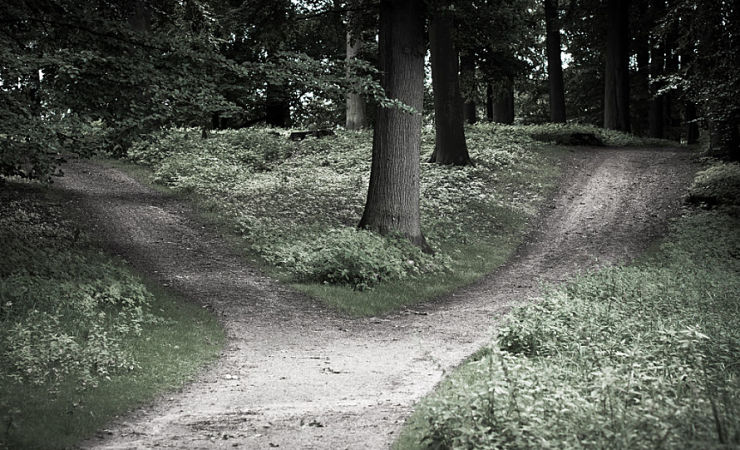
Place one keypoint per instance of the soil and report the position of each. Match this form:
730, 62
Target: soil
295, 374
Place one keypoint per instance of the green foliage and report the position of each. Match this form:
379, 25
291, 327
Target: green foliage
557, 133
64, 311
81, 338
79, 77
357, 258
627, 357
718, 185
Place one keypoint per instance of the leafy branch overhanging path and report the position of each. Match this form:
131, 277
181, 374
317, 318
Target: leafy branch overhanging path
296, 375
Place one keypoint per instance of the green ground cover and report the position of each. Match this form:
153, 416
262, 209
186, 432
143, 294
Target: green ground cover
638, 356
295, 206
82, 338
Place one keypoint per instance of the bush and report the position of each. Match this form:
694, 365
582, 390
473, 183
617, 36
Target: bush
357, 258
718, 185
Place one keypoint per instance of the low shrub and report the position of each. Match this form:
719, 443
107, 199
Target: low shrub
357, 258
571, 134
717, 185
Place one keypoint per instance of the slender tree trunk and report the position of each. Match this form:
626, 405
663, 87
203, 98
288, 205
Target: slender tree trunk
641, 91
692, 127
467, 77
671, 115
356, 109
503, 104
655, 112
393, 195
139, 16
724, 139
617, 83
278, 106
450, 146
554, 63
489, 102
690, 114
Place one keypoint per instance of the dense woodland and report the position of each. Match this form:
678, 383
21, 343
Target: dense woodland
83, 76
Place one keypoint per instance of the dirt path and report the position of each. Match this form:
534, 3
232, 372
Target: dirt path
296, 375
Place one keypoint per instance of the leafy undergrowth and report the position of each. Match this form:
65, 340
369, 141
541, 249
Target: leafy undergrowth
643, 356
717, 185
297, 205
81, 338
556, 133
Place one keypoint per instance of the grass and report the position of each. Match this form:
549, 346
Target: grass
61, 386
639, 356
295, 206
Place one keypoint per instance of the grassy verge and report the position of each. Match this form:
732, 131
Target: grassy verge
642, 356
83, 339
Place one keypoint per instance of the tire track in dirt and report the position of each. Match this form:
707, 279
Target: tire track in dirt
297, 375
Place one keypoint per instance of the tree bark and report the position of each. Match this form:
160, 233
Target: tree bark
356, 114
724, 140
617, 83
450, 146
655, 112
277, 109
489, 102
692, 127
393, 194
671, 116
503, 104
467, 77
554, 63
641, 91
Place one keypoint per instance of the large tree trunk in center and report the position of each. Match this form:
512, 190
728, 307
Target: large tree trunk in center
554, 63
356, 111
617, 82
449, 146
393, 195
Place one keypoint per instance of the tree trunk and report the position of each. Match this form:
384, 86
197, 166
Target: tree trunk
724, 140
554, 63
641, 91
393, 195
356, 110
655, 112
449, 146
139, 16
489, 102
692, 127
671, 116
467, 77
690, 114
617, 83
278, 107
503, 104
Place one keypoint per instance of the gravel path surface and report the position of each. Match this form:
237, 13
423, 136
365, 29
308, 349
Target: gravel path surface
297, 375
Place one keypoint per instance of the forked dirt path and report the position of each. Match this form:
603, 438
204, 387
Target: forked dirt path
296, 375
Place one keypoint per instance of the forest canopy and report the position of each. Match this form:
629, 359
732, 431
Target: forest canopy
82, 76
